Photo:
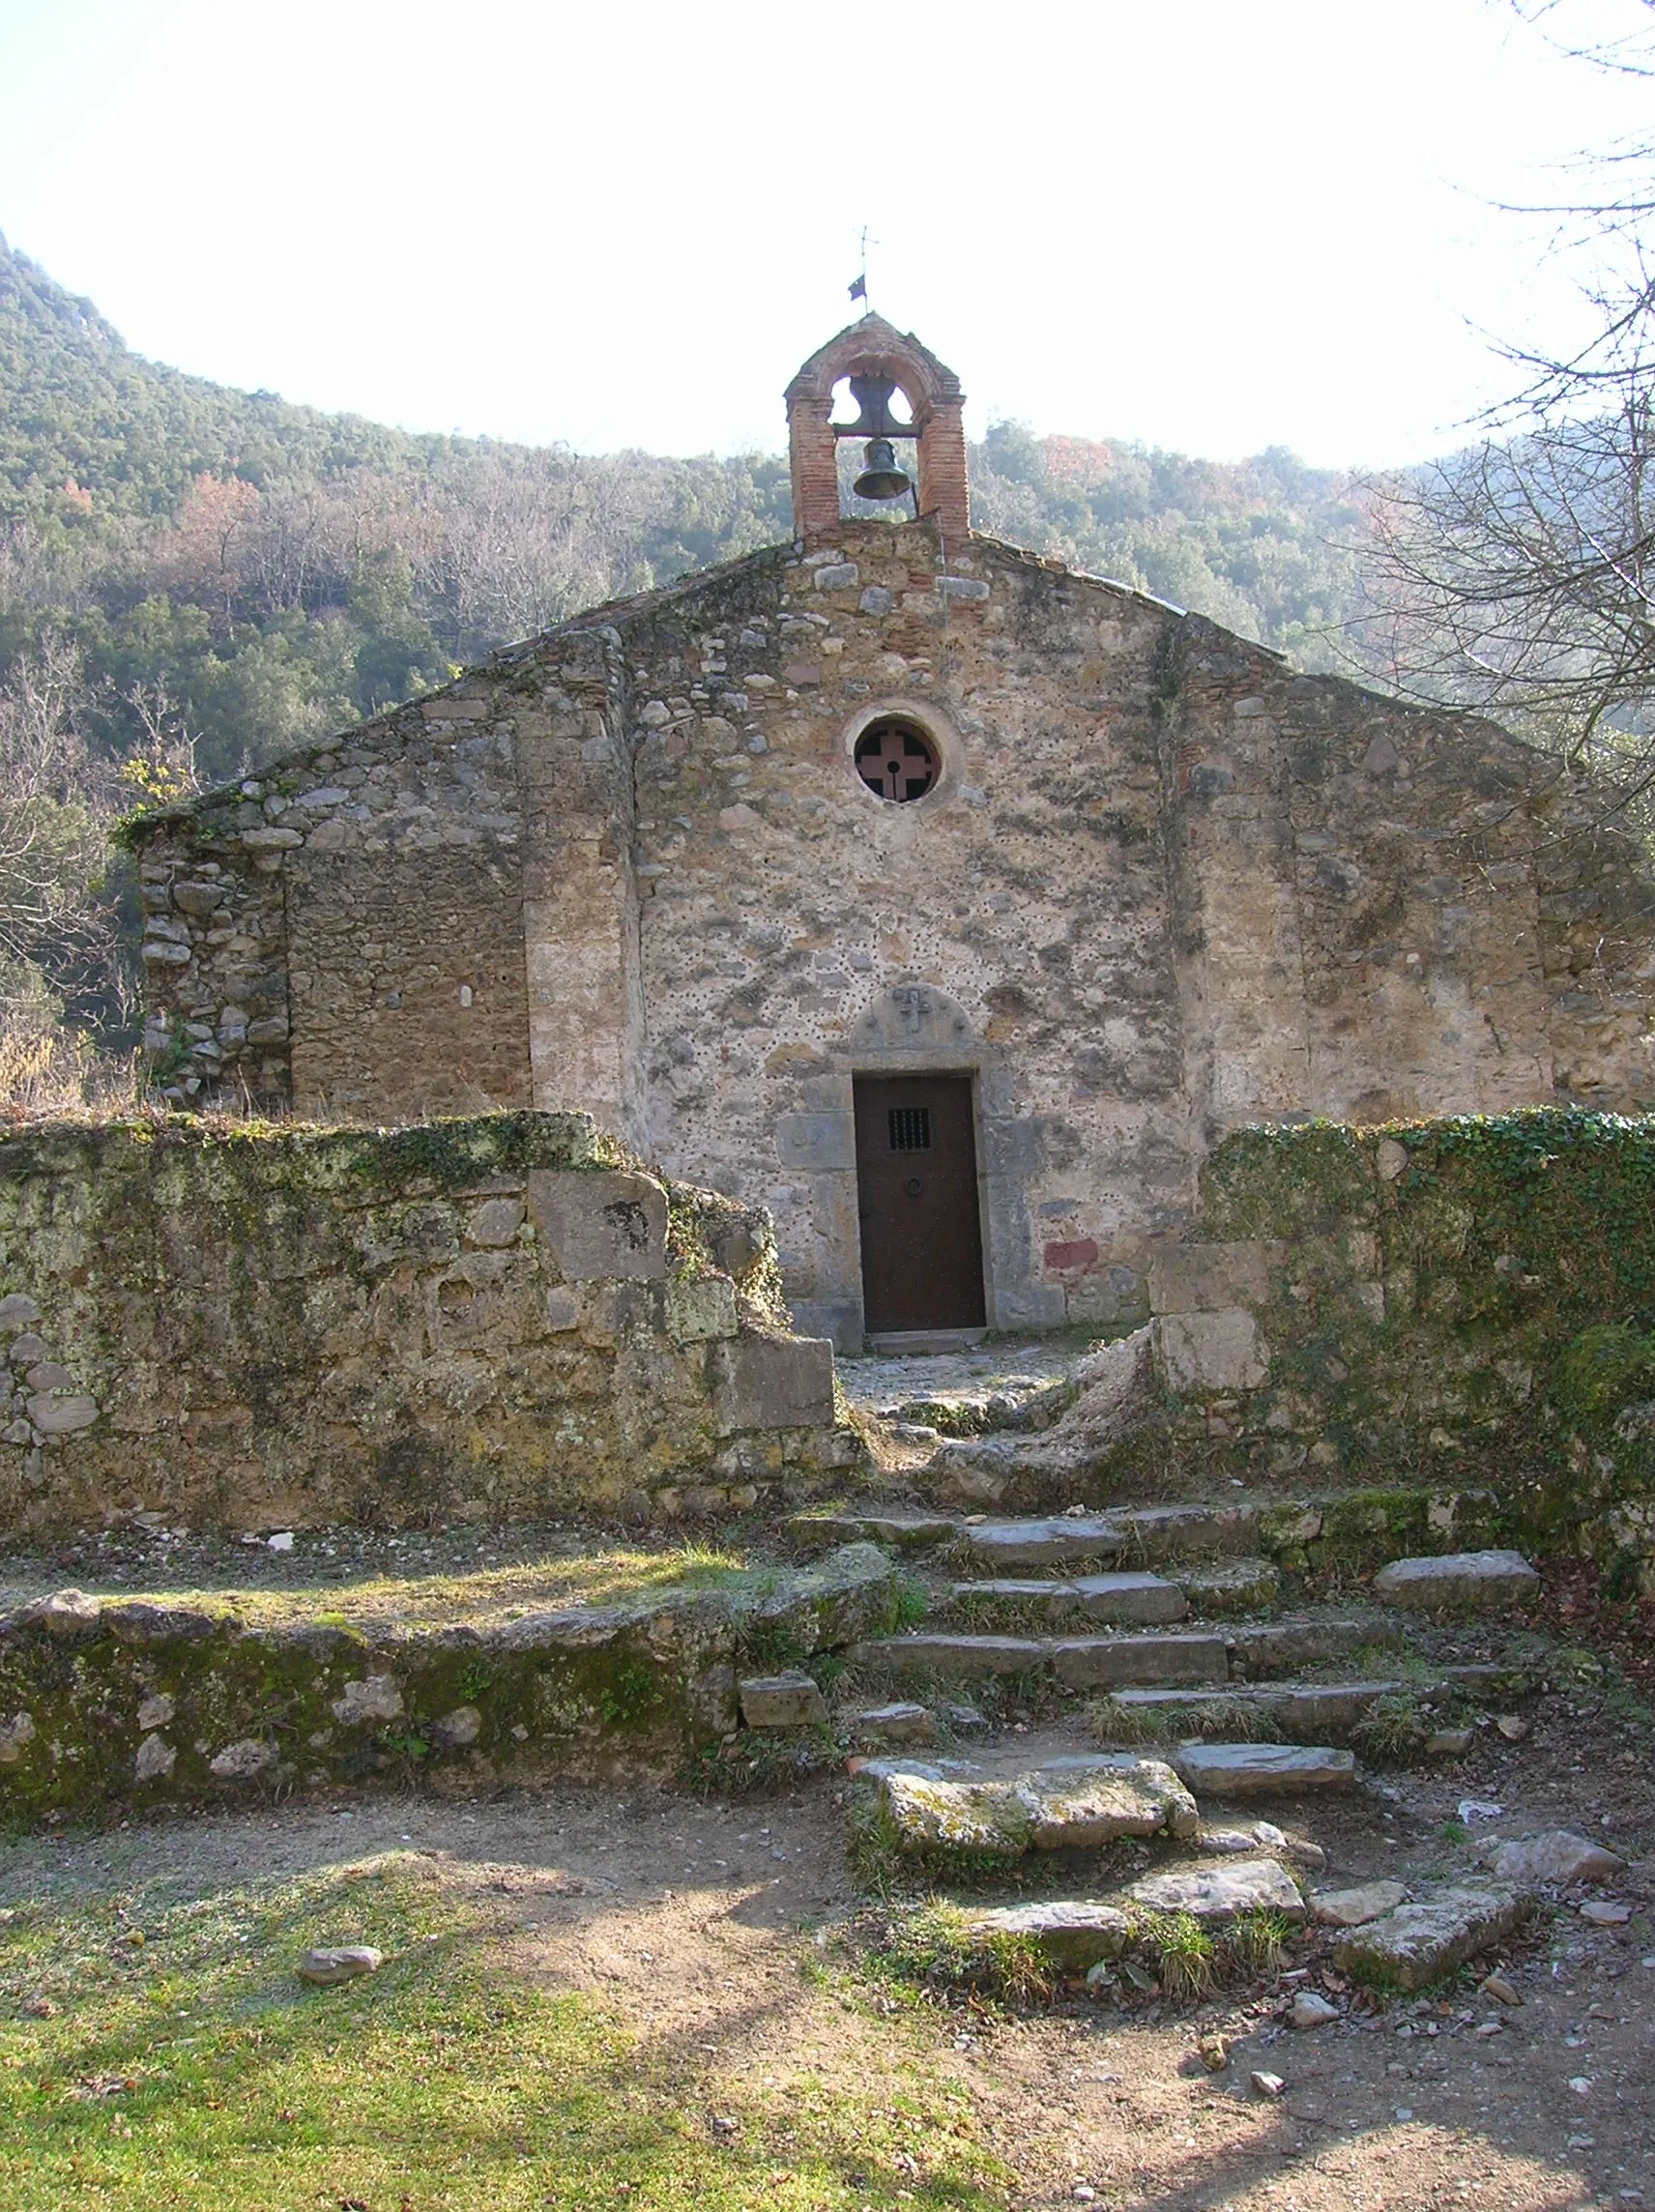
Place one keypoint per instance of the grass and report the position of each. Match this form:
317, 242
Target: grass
1393, 1731
1185, 1953
1215, 1720
759, 1762
193, 2069
605, 1576
1258, 1939
49, 1073
939, 1948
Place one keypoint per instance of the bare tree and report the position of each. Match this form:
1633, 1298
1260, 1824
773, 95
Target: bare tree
55, 806
1518, 576
159, 769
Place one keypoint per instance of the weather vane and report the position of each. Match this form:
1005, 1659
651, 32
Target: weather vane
859, 289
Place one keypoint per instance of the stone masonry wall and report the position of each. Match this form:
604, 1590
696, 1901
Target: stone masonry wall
108, 1705
428, 917
1462, 1301
1358, 886
501, 1318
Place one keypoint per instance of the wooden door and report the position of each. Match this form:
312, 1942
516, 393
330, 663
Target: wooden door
917, 1191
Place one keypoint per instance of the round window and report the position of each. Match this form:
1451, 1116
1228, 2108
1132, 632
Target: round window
897, 759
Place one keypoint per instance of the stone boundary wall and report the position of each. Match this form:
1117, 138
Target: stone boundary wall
242, 1326
1464, 1300
134, 1703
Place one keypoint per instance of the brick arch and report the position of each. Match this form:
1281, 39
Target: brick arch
875, 347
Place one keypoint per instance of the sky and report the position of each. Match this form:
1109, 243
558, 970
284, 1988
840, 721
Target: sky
1213, 226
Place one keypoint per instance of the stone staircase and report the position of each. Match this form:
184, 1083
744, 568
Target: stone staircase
1074, 1691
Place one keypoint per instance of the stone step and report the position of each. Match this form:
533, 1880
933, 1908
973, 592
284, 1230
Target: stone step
1012, 1602
949, 1658
1419, 1943
1100, 1662
901, 1528
996, 1547
1458, 1582
1123, 1532
1075, 1804
1261, 1650
1353, 1526
1077, 1662
1111, 1597
1074, 1934
1218, 1588
1214, 1894
1228, 1662
1261, 1769
1018, 1404
1070, 1933
1302, 1712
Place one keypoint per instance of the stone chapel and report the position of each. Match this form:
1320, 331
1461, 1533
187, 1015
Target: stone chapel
946, 901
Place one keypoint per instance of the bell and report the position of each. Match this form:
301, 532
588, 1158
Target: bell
881, 477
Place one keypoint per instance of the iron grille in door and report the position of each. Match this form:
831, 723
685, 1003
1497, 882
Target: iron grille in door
909, 1128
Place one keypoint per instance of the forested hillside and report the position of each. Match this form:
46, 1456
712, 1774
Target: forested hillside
277, 572
193, 577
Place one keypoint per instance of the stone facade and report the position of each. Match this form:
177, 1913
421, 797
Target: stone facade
501, 1319
1161, 886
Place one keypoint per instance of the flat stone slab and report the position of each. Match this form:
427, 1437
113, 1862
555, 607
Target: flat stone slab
1355, 1908
1557, 1857
901, 1532
1048, 1811
792, 1700
1100, 1662
1081, 1662
1222, 1585
1045, 1543
1218, 1893
1277, 1647
1254, 1769
954, 1656
900, 1723
343, 1964
1033, 1589
1466, 1581
1159, 1532
1073, 1935
1115, 1597
1083, 1803
1310, 1713
1418, 1943
1130, 1597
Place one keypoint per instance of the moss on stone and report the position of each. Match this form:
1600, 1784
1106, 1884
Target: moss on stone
238, 1712
1278, 1183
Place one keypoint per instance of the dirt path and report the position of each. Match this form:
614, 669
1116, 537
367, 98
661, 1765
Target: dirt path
693, 1920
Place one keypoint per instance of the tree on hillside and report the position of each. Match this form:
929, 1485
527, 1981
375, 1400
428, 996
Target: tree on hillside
55, 810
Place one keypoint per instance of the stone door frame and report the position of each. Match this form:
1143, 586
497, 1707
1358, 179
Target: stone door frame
916, 1029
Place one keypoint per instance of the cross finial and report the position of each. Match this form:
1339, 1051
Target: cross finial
859, 289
